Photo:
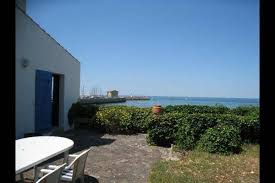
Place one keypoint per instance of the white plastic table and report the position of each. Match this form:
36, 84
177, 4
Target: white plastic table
32, 151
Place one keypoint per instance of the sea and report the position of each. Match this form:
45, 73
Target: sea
210, 101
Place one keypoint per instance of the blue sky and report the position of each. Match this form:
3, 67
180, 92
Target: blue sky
197, 48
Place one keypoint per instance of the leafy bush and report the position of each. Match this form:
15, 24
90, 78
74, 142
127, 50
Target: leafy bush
181, 125
195, 125
249, 126
228, 119
186, 137
192, 128
162, 128
122, 119
140, 118
79, 110
250, 129
191, 109
224, 139
114, 120
246, 111
217, 109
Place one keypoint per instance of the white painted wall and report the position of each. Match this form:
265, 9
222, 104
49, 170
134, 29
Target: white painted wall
21, 4
43, 53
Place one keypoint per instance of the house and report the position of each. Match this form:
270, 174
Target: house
47, 78
112, 94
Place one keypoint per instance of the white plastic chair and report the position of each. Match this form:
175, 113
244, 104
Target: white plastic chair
52, 176
74, 170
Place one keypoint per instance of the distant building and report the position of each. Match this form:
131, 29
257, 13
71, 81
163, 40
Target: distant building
113, 93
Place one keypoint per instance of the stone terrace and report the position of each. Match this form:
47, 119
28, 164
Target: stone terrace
113, 158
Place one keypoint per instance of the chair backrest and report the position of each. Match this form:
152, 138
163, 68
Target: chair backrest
79, 165
52, 177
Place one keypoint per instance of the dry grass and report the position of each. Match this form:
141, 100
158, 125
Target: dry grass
209, 168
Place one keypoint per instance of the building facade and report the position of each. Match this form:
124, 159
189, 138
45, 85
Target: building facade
47, 78
112, 94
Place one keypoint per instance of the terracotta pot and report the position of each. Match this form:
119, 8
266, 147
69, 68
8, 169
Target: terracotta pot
156, 109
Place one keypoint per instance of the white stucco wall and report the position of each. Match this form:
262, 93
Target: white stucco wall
43, 53
21, 4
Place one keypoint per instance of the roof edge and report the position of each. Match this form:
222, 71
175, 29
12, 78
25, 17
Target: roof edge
46, 33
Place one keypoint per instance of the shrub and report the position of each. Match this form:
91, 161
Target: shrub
249, 126
122, 119
250, 129
139, 117
79, 110
224, 139
114, 120
184, 128
246, 111
191, 109
186, 137
162, 128
192, 128
228, 119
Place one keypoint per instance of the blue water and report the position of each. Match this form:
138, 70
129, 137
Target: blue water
164, 101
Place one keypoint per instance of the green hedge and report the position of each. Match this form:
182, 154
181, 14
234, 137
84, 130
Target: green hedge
217, 109
79, 110
122, 119
183, 125
249, 125
191, 109
195, 125
246, 111
140, 118
192, 128
224, 139
115, 120
250, 129
162, 128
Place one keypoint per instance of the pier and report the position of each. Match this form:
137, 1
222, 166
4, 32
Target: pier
102, 100
137, 98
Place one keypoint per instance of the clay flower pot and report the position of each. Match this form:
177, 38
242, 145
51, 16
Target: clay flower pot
156, 109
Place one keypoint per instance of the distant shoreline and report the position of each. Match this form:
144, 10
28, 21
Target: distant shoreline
148, 101
206, 97
210, 101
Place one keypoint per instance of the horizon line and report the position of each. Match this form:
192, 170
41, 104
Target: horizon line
194, 96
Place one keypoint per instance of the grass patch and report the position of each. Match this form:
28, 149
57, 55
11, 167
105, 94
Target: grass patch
204, 167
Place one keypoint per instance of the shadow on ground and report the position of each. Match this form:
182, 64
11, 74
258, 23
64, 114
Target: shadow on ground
83, 139
87, 179
90, 179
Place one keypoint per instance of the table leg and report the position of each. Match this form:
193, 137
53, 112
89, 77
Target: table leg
66, 156
35, 169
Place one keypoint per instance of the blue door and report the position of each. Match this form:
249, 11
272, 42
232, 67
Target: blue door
43, 104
